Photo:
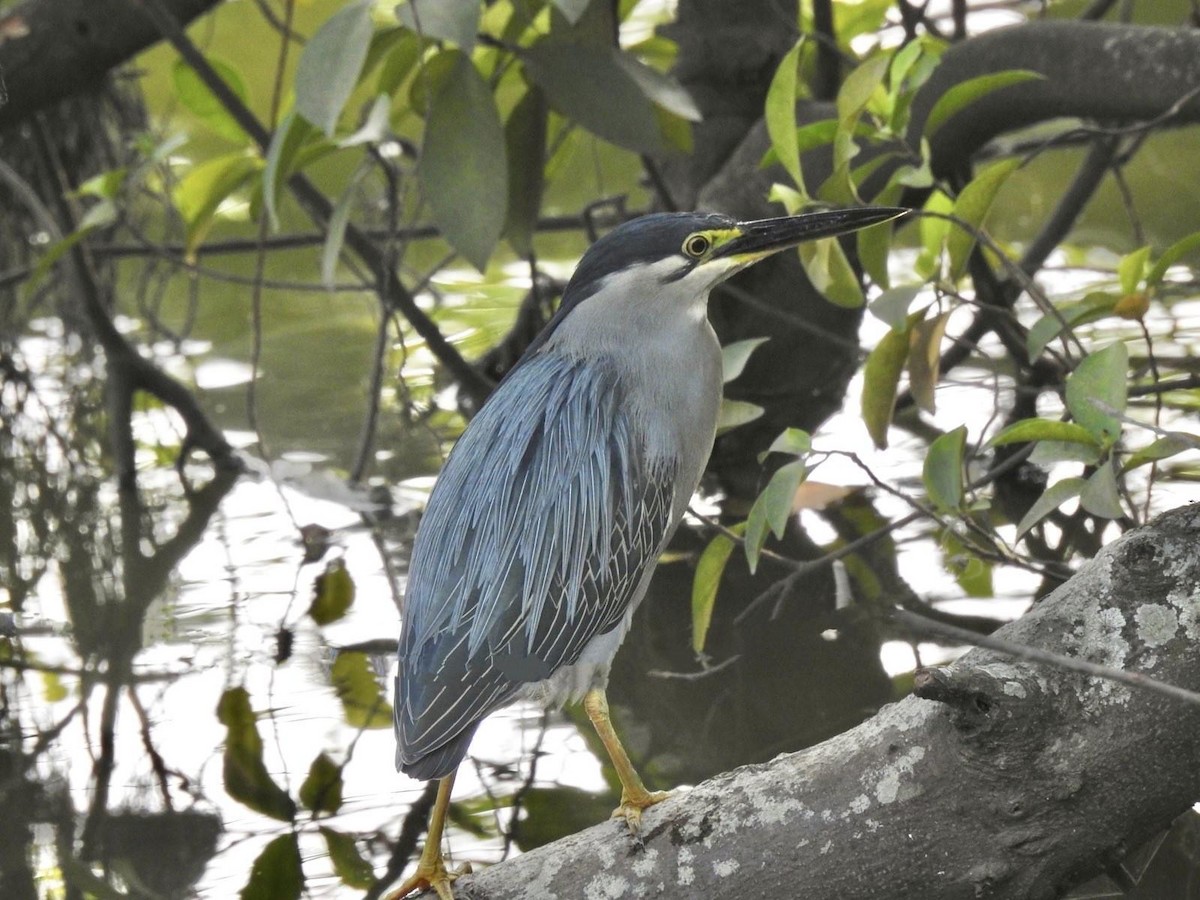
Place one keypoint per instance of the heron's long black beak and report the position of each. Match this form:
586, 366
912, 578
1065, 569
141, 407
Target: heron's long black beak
766, 236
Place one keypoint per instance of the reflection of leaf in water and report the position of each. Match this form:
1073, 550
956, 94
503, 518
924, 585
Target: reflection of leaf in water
359, 692
246, 777
277, 873
322, 789
555, 812
354, 871
333, 593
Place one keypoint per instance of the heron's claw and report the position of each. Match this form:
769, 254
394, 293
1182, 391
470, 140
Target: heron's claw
632, 804
435, 877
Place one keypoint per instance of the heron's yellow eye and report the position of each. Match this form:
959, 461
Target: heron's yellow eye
697, 245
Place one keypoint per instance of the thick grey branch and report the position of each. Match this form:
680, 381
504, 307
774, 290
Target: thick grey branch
1018, 780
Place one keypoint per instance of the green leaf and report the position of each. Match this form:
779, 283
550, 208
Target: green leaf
780, 113
853, 96
358, 689
1131, 268
831, 273
734, 357
875, 244
881, 377
588, 85
398, 62
456, 21
661, 90
463, 171
735, 413
1100, 496
105, 186
1101, 378
1043, 430
277, 873
348, 863
246, 778
1168, 445
924, 359
943, 470
933, 231
1172, 255
333, 593
972, 206
1046, 453
1096, 305
772, 509
964, 94
375, 128
705, 584
194, 94
205, 188
892, 305
525, 142
973, 574
331, 63
335, 230
322, 789
1054, 497
794, 441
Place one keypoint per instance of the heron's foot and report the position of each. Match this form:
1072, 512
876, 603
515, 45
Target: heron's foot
632, 804
431, 876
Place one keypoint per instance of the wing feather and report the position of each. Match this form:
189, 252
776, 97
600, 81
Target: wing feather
536, 539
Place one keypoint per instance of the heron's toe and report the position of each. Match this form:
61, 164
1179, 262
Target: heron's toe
632, 805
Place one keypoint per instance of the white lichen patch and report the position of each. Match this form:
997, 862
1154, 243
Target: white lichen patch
860, 804
1014, 689
723, 868
887, 788
606, 887
769, 807
1156, 624
685, 874
540, 886
645, 864
1187, 602
1100, 638
607, 854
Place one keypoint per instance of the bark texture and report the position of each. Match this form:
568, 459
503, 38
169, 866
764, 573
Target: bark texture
1017, 781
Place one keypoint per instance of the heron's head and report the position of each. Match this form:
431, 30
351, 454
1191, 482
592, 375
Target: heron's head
687, 254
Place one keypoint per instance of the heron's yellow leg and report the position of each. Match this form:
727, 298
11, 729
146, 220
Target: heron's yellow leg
634, 796
431, 868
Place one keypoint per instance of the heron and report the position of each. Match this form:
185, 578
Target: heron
549, 516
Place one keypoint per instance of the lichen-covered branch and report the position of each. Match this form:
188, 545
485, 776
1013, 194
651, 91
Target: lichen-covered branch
1018, 780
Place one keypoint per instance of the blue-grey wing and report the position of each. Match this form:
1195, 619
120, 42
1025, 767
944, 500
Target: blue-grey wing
537, 535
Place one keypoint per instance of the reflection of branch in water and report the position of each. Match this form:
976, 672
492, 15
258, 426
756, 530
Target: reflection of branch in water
416, 820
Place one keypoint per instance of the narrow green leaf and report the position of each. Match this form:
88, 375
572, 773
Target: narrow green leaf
875, 244
322, 788
892, 305
246, 778
830, 272
794, 441
1047, 453
1168, 445
588, 85
943, 470
397, 64
456, 21
335, 229
195, 96
205, 188
1043, 430
277, 873
362, 701
881, 377
1131, 268
333, 593
1101, 378
105, 186
1100, 496
705, 584
933, 231
734, 357
1177, 251
964, 94
1096, 305
773, 508
661, 90
924, 360
860, 86
331, 63
780, 113
735, 413
525, 142
348, 863
972, 206
463, 171
1054, 497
